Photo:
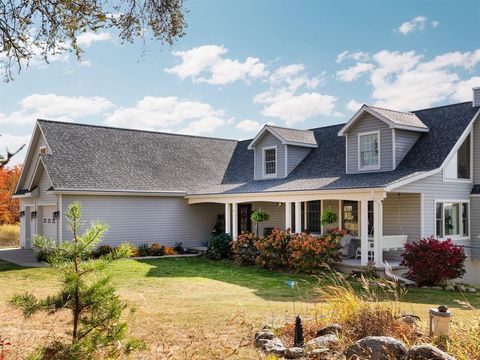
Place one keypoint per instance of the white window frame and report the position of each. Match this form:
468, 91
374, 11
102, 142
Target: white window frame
265, 175
368, 168
469, 180
453, 237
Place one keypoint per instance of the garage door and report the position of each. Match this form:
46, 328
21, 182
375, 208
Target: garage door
49, 224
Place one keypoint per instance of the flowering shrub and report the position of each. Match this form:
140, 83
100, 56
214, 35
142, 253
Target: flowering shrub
219, 247
244, 250
169, 250
156, 250
273, 250
432, 262
309, 253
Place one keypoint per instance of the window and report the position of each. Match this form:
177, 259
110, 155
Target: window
313, 217
270, 161
452, 219
350, 217
369, 151
463, 160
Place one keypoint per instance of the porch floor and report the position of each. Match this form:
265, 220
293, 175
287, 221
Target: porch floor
350, 265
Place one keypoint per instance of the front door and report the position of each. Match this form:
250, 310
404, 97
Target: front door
244, 220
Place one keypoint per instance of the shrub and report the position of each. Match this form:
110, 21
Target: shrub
9, 235
156, 250
178, 248
43, 248
309, 254
244, 250
219, 247
143, 250
102, 250
432, 262
169, 250
273, 250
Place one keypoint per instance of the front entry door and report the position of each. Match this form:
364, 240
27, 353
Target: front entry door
244, 220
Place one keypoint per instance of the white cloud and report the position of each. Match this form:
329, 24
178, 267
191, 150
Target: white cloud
13, 143
55, 107
463, 89
418, 23
296, 108
207, 125
206, 64
163, 113
405, 81
88, 38
357, 56
249, 125
354, 72
353, 105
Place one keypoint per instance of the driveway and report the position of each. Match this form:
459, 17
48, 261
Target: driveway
20, 257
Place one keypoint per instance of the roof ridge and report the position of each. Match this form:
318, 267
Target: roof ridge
397, 111
138, 130
328, 126
286, 128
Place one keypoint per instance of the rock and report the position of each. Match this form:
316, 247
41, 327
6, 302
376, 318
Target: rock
410, 319
275, 346
436, 288
325, 354
333, 329
324, 341
427, 352
294, 353
261, 342
377, 348
450, 288
472, 290
264, 335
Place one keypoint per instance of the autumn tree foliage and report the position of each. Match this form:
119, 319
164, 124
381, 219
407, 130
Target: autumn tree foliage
9, 207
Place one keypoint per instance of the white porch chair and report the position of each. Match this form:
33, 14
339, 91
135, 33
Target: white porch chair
389, 243
345, 244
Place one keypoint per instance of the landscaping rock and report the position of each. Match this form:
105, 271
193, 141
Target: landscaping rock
294, 353
450, 288
427, 352
267, 334
377, 348
472, 290
410, 319
275, 346
324, 341
325, 354
333, 329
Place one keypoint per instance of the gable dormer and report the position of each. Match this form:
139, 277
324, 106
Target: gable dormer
378, 139
278, 151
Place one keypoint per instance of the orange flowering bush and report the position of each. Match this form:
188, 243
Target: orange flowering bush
273, 250
309, 253
243, 248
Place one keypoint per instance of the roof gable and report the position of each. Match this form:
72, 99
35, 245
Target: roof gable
287, 136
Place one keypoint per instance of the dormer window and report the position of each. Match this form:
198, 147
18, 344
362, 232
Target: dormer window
369, 151
270, 161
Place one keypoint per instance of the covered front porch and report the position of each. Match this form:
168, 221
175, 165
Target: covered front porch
378, 223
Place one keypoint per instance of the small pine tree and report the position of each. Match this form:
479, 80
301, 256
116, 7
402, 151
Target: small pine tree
86, 292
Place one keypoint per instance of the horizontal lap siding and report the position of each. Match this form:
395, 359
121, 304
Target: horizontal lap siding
138, 220
401, 215
476, 152
369, 123
276, 216
43, 185
475, 226
404, 140
35, 155
334, 206
268, 140
295, 155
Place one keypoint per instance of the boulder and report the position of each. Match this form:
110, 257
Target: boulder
410, 319
325, 354
294, 353
427, 352
324, 341
333, 329
377, 348
266, 334
275, 346
472, 290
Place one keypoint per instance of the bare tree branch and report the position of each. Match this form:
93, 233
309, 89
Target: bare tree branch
5, 160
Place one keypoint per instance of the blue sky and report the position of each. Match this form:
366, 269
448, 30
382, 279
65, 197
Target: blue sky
241, 64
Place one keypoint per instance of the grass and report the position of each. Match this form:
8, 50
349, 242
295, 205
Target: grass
9, 235
193, 308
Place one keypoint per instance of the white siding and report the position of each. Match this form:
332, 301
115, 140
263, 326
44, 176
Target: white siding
369, 123
34, 158
44, 184
269, 140
295, 155
401, 215
139, 220
404, 140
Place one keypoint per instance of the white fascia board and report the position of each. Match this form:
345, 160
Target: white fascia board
115, 192
29, 148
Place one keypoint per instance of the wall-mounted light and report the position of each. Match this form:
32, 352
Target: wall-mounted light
33, 215
279, 204
55, 215
21, 214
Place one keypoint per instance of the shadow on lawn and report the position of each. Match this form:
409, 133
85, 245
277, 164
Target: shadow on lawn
272, 285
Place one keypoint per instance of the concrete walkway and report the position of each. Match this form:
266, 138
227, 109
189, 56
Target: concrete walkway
20, 257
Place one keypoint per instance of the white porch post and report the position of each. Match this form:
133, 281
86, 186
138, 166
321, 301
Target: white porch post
378, 231
364, 231
288, 215
228, 219
298, 217
234, 220
340, 214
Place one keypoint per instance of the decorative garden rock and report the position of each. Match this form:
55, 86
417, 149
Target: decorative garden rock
266, 334
325, 354
294, 353
275, 346
410, 319
427, 352
377, 348
324, 341
333, 329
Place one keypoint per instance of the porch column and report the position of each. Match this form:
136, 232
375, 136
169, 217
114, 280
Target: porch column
298, 217
364, 231
228, 219
378, 231
288, 215
234, 220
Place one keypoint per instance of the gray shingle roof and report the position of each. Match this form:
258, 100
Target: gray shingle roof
102, 158
294, 135
400, 117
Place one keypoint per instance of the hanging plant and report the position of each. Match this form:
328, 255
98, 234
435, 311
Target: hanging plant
259, 216
328, 217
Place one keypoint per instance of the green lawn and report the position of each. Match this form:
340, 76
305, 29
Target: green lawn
192, 307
